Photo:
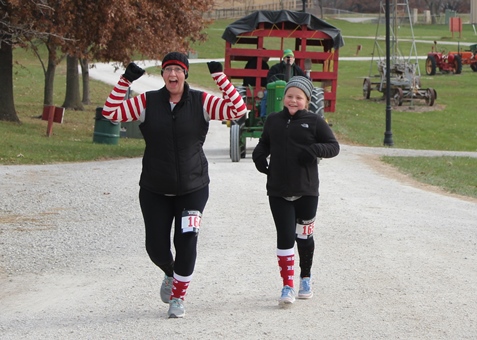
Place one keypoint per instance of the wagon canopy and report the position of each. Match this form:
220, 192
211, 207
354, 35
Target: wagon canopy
250, 22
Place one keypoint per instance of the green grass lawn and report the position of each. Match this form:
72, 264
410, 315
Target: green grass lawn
450, 125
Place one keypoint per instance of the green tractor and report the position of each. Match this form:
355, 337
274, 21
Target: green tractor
264, 35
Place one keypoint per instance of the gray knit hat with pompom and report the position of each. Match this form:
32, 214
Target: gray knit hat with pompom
303, 83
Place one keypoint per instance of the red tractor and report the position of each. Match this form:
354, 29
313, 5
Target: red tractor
450, 62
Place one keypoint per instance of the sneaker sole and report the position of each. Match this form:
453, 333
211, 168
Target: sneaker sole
178, 316
305, 296
285, 303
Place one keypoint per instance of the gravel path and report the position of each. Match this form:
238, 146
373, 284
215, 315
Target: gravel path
393, 260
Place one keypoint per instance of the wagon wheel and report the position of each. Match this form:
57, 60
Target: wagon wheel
473, 67
366, 88
430, 96
430, 65
317, 102
397, 96
457, 64
235, 142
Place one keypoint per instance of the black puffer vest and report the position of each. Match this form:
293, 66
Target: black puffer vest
174, 161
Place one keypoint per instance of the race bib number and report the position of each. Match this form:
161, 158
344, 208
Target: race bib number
304, 229
191, 221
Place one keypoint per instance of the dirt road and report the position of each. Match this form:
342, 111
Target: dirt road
392, 260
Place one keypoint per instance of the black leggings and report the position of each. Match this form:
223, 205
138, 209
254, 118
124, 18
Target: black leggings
158, 212
287, 213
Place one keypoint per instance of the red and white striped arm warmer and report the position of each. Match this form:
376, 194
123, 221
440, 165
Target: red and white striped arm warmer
230, 107
119, 110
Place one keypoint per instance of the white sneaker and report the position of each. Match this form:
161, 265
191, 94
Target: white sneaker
305, 291
287, 297
166, 288
176, 308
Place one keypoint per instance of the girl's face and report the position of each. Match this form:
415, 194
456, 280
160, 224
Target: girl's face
295, 100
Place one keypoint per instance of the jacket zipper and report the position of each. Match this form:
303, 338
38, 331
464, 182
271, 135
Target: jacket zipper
174, 133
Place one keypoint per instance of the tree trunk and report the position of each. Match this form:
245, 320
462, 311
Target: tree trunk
49, 82
434, 13
7, 106
72, 97
85, 77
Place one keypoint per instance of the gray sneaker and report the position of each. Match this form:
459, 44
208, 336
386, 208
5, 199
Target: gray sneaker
305, 291
287, 297
176, 308
166, 288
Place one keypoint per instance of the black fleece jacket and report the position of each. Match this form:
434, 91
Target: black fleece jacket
294, 143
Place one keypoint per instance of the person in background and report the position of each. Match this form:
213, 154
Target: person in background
174, 182
283, 70
294, 138
252, 65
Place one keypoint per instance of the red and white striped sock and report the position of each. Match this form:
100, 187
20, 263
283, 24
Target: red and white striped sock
286, 262
180, 285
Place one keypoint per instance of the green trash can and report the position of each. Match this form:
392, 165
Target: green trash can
449, 14
105, 131
275, 92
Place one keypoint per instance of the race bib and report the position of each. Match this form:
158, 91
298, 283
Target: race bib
191, 221
304, 229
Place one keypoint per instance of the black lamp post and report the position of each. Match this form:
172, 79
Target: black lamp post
388, 135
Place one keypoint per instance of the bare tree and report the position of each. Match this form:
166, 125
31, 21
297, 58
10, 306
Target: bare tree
117, 30
16, 19
113, 30
72, 96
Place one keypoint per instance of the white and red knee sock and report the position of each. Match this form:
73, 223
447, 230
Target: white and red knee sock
180, 285
286, 263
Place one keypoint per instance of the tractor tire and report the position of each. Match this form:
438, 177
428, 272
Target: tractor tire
235, 142
366, 88
430, 65
317, 102
457, 64
242, 90
473, 67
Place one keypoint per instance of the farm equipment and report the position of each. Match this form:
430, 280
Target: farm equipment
471, 57
405, 85
450, 62
263, 35
405, 80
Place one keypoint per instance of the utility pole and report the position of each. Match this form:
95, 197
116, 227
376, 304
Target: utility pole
388, 135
